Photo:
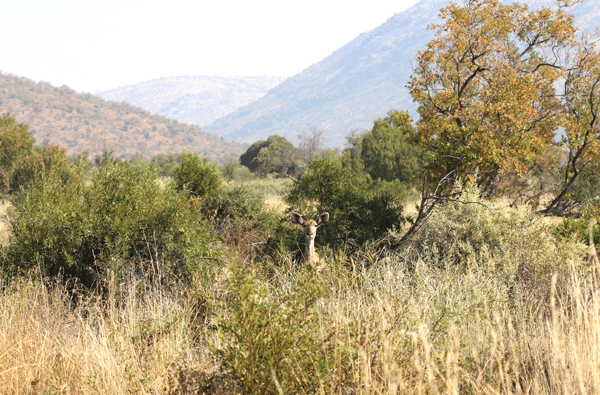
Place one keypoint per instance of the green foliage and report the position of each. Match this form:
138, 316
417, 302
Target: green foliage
20, 160
16, 143
386, 151
275, 155
107, 158
270, 335
359, 209
39, 160
231, 170
138, 160
166, 163
248, 158
83, 162
578, 229
16, 140
80, 229
196, 175
240, 204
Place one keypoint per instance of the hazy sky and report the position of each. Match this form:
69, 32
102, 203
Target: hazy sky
93, 45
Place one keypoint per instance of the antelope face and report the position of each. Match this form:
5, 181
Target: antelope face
310, 229
310, 226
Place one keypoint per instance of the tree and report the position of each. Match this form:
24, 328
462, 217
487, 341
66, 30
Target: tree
310, 145
248, 158
386, 151
485, 87
196, 175
16, 143
582, 130
275, 155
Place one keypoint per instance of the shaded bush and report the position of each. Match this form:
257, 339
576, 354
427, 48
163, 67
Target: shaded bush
360, 209
80, 229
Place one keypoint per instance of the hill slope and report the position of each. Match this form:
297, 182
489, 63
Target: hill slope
81, 122
198, 100
358, 83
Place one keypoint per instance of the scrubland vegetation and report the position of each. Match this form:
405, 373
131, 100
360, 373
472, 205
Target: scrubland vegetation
180, 275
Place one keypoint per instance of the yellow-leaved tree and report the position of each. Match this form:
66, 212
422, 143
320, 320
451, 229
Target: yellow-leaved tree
486, 87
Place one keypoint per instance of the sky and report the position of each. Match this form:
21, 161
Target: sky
96, 45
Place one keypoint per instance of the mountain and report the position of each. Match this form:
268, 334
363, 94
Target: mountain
198, 100
356, 84
82, 122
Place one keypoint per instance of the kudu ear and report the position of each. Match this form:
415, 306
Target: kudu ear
323, 219
297, 219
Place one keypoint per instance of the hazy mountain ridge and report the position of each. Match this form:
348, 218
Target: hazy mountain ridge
356, 84
82, 122
199, 100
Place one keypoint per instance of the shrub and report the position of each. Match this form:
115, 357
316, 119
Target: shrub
474, 232
79, 229
270, 338
578, 229
359, 208
196, 175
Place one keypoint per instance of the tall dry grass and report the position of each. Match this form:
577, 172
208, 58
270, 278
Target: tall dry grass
137, 342
395, 328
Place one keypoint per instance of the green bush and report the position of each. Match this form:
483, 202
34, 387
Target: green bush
387, 153
196, 175
270, 337
359, 208
79, 229
578, 229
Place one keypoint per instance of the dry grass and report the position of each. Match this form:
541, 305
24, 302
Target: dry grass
391, 329
138, 344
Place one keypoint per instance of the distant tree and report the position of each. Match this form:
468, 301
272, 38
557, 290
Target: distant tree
311, 145
485, 86
279, 156
386, 151
248, 158
275, 155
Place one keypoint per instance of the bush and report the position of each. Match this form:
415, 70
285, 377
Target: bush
473, 232
270, 338
81, 229
359, 208
196, 175
578, 229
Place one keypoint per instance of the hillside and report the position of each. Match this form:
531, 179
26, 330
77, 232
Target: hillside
197, 100
358, 83
82, 122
